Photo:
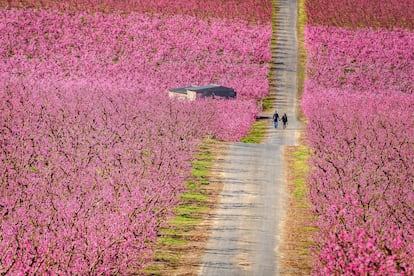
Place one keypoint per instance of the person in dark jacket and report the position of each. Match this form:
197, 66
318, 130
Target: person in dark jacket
276, 119
284, 120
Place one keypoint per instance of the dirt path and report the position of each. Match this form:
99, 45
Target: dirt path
246, 224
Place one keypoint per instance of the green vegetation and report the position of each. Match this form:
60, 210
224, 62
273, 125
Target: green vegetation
165, 256
193, 197
301, 168
256, 134
298, 231
267, 101
200, 167
190, 209
174, 238
172, 241
301, 69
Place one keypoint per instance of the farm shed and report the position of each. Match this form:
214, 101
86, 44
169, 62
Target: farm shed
194, 92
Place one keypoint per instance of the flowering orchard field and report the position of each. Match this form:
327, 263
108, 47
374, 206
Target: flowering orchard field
93, 153
361, 13
359, 102
362, 60
135, 51
259, 11
361, 183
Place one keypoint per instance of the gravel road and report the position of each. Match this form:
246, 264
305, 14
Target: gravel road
246, 225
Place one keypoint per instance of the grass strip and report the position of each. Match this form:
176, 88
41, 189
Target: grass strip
174, 239
301, 66
298, 230
256, 134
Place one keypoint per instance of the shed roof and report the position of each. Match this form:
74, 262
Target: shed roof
205, 87
182, 90
207, 90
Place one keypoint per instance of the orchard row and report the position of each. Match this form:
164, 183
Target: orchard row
253, 11
88, 176
135, 51
353, 14
359, 102
362, 60
93, 152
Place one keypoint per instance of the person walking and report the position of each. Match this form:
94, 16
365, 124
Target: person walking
276, 119
284, 120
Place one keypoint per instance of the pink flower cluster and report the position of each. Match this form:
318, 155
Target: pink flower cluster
367, 60
134, 51
89, 175
361, 13
359, 102
259, 11
78, 189
361, 181
93, 153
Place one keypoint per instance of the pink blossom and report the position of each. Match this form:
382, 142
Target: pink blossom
358, 100
93, 152
361, 13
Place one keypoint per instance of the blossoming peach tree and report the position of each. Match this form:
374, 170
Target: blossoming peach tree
93, 152
359, 102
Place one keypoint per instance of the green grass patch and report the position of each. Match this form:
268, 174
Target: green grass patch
256, 134
172, 241
302, 14
200, 172
166, 256
301, 68
309, 229
199, 197
191, 185
201, 164
184, 222
152, 270
300, 166
200, 168
267, 102
304, 253
174, 238
300, 194
189, 209
169, 231
302, 155
206, 155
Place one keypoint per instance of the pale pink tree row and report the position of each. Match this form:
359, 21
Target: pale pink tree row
80, 193
88, 175
361, 13
93, 152
255, 11
361, 180
359, 102
364, 59
135, 50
